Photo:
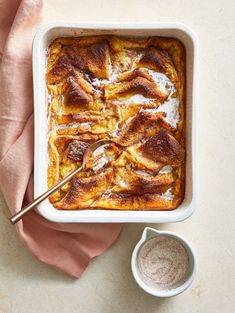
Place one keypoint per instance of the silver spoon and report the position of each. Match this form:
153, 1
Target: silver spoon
87, 154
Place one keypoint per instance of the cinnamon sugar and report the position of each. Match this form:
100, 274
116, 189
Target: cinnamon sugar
163, 262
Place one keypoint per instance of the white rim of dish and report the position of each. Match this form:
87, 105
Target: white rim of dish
186, 209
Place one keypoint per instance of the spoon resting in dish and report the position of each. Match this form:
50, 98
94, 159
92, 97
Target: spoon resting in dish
87, 154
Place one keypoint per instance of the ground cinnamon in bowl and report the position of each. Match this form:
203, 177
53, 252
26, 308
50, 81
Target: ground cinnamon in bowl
163, 263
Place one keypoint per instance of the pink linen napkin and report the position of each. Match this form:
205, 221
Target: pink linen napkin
68, 247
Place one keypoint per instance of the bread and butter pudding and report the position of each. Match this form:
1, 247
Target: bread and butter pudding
130, 90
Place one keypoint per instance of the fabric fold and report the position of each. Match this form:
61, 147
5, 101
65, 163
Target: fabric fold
67, 247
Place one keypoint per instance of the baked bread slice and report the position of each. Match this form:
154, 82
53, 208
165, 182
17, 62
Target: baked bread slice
130, 90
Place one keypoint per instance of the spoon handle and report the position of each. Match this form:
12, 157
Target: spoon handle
15, 218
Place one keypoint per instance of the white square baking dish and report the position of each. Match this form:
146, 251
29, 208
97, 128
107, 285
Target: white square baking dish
64, 29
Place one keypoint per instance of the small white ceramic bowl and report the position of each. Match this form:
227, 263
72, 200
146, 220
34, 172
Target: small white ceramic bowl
149, 233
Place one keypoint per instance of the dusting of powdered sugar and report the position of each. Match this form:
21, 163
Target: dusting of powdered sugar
101, 163
166, 169
96, 82
103, 159
168, 196
171, 105
135, 99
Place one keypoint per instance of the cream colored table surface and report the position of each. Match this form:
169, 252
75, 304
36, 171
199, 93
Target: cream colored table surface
27, 286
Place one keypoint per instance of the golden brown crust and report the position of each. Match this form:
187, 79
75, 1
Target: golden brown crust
158, 60
164, 148
84, 191
119, 88
139, 85
59, 71
76, 149
93, 59
75, 95
143, 125
128, 181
